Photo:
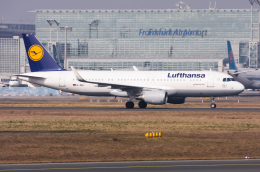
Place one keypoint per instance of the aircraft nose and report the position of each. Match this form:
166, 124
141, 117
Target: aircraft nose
239, 87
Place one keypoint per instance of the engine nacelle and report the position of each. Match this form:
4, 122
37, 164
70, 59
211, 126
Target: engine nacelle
157, 97
176, 100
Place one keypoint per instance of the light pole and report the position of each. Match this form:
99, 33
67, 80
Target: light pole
94, 23
51, 21
65, 29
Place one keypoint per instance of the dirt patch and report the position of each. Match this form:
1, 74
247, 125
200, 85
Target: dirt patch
65, 136
113, 146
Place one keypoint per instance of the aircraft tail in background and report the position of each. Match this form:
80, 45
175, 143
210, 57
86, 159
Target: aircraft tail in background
39, 59
231, 60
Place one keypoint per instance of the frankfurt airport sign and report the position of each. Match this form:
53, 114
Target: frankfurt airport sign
170, 32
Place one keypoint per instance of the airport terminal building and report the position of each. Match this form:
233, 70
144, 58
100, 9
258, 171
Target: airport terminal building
12, 51
151, 39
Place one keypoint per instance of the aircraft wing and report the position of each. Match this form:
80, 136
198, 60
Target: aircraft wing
102, 84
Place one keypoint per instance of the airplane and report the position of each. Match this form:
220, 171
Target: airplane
153, 87
249, 78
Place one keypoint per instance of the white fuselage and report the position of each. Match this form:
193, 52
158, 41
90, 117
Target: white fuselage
176, 83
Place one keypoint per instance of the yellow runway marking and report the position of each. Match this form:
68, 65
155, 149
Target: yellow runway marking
82, 168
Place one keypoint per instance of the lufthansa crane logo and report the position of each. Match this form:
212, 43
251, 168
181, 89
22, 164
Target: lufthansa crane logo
35, 52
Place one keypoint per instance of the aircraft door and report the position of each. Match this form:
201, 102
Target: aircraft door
62, 80
211, 80
148, 81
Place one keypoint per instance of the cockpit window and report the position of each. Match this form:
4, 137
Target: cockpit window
228, 79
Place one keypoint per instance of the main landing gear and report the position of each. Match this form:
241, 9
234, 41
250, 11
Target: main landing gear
142, 104
129, 105
213, 105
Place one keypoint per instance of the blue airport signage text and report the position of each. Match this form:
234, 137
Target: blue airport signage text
170, 32
184, 75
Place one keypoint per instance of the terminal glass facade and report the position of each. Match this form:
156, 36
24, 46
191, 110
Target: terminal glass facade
9, 55
178, 39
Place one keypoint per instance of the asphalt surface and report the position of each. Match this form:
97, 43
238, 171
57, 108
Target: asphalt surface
134, 109
250, 165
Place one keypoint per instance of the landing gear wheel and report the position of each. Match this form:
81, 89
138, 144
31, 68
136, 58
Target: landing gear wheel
142, 104
129, 105
213, 105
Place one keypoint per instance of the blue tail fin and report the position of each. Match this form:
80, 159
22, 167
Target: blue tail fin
39, 59
231, 60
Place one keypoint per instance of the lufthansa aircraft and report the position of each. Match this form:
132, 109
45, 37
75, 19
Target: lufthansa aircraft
249, 78
154, 87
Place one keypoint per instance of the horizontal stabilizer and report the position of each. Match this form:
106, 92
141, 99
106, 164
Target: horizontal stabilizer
28, 76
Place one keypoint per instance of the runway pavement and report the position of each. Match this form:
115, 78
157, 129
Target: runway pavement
251, 165
134, 109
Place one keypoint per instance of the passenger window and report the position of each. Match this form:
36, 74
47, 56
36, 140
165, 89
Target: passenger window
224, 79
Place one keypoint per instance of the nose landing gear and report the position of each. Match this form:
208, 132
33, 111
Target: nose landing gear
213, 105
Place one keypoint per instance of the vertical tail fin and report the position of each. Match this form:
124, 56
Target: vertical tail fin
231, 60
39, 59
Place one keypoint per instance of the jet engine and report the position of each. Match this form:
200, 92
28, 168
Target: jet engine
156, 97
176, 100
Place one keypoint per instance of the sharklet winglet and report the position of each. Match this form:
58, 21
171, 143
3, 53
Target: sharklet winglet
135, 68
79, 78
